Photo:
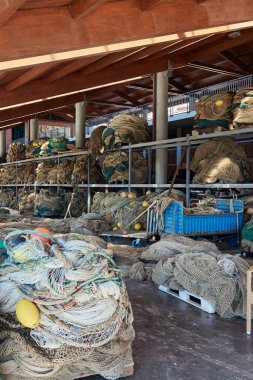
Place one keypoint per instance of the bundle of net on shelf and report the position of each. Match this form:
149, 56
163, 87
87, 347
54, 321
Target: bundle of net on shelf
214, 111
78, 201
8, 198
96, 144
33, 148
243, 108
125, 129
26, 200
54, 145
116, 167
61, 173
119, 210
16, 152
48, 204
221, 161
220, 279
85, 318
21, 175
80, 171
42, 171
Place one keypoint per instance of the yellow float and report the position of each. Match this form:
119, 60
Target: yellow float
138, 226
27, 313
132, 195
145, 204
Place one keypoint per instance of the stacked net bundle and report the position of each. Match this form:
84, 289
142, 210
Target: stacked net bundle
243, 108
26, 200
220, 161
80, 171
16, 152
85, 317
53, 146
42, 171
119, 209
8, 198
33, 148
116, 167
172, 244
48, 204
61, 173
220, 279
125, 129
214, 110
21, 175
95, 143
78, 201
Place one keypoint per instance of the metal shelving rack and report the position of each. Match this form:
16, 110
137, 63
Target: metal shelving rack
189, 141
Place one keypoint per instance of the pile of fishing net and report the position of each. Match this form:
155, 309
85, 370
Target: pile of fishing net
125, 129
80, 171
33, 148
53, 146
121, 209
26, 200
218, 278
221, 161
247, 236
8, 198
95, 144
16, 152
61, 173
74, 303
78, 200
89, 224
116, 167
48, 204
42, 171
172, 244
214, 111
243, 108
21, 175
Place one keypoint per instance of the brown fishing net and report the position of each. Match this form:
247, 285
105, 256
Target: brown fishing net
220, 161
16, 152
243, 108
95, 143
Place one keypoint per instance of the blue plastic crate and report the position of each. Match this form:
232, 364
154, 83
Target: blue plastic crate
230, 222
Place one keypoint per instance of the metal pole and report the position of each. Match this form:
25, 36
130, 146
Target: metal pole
129, 167
80, 124
149, 165
2, 143
88, 182
188, 157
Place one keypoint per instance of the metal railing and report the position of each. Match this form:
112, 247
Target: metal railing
183, 103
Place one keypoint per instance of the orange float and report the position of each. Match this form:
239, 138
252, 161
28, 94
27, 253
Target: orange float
43, 230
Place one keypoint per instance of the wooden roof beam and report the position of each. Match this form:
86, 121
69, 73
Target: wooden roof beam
130, 99
236, 61
103, 32
141, 87
82, 8
8, 9
108, 103
30, 75
147, 5
214, 69
177, 85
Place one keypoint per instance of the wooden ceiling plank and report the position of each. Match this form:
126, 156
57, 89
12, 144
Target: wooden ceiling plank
82, 8
214, 68
8, 9
130, 99
108, 103
236, 61
141, 87
30, 75
177, 85
104, 32
147, 5
70, 68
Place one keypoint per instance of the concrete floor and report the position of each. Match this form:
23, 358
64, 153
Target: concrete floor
176, 341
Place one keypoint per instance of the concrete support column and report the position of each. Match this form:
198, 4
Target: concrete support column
161, 101
80, 124
27, 132
2, 143
34, 129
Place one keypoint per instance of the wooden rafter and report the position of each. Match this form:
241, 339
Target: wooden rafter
236, 62
102, 32
8, 9
141, 87
82, 8
177, 85
214, 69
147, 5
28, 76
108, 103
130, 99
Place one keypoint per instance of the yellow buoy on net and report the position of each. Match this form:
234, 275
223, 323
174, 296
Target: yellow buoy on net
27, 313
138, 226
